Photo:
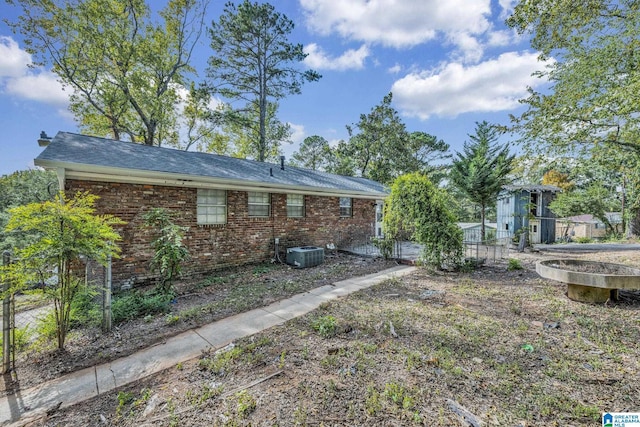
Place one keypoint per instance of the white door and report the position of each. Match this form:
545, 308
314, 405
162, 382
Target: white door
379, 216
534, 231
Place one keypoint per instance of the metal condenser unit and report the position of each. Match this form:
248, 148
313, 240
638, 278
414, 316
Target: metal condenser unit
305, 256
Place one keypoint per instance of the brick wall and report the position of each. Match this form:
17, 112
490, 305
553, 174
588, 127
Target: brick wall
241, 240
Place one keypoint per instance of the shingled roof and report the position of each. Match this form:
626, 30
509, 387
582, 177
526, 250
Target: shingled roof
92, 158
531, 188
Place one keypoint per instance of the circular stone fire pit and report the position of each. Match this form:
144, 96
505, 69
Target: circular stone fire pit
590, 281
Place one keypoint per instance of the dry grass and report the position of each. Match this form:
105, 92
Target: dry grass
505, 346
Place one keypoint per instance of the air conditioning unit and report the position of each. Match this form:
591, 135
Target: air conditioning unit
305, 256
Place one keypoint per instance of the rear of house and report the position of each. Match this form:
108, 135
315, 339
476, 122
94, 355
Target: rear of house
235, 209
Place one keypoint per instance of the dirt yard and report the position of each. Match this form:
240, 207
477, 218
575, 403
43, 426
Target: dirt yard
494, 347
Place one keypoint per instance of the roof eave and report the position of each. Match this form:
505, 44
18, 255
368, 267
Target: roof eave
136, 176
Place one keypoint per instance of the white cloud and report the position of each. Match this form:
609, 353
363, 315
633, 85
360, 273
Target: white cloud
352, 59
43, 87
298, 134
395, 69
17, 79
396, 23
503, 38
470, 48
14, 61
453, 89
506, 7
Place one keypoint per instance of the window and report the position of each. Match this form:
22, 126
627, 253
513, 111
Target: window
295, 205
259, 204
534, 204
212, 206
346, 209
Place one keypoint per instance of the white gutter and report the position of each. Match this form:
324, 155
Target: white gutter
109, 174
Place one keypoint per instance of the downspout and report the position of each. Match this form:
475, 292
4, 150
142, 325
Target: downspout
60, 172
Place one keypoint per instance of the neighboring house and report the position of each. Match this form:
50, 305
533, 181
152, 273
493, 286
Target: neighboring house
473, 231
234, 209
586, 226
526, 207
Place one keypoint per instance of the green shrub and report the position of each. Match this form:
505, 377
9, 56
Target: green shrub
46, 326
169, 250
583, 240
326, 326
84, 310
514, 264
22, 337
385, 245
138, 304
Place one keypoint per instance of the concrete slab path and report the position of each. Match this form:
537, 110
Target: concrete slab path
26, 405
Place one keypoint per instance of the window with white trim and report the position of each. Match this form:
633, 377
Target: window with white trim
211, 206
346, 207
295, 205
259, 204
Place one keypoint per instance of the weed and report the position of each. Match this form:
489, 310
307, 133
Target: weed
372, 403
369, 348
246, 403
330, 361
326, 305
514, 264
174, 420
583, 240
283, 357
300, 415
145, 395
326, 326
414, 360
133, 305
205, 393
399, 395
261, 269
22, 339
172, 319
124, 398
221, 361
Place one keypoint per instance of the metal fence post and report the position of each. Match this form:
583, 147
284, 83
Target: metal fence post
6, 320
106, 301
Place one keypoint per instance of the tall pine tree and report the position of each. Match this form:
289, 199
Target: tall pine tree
481, 169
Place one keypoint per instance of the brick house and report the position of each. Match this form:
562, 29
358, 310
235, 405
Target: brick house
234, 208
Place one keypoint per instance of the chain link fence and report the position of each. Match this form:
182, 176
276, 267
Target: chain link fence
27, 315
490, 250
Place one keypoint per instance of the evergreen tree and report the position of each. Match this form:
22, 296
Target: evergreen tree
481, 170
255, 62
313, 154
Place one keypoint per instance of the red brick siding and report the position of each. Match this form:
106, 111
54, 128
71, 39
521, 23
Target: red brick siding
241, 240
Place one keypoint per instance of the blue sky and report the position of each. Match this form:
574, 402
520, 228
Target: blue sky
449, 64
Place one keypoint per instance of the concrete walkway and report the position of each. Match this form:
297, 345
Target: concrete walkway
27, 405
